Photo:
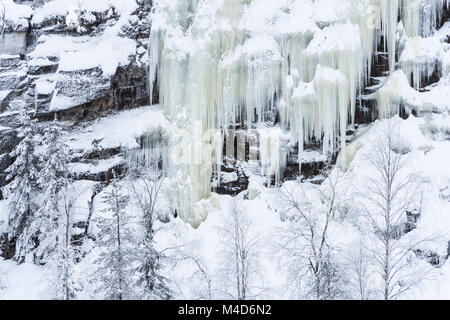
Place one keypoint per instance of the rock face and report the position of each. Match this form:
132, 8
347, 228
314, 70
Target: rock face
79, 64
49, 64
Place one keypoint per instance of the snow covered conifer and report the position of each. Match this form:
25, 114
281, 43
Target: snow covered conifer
116, 256
146, 186
66, 283
53, 222
22, 188
53, 180
54, 175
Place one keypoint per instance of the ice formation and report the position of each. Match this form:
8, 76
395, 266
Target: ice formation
220, 64
423, 55
397, 92
152, 151
273, 152
320, 108
420, 59
73, 17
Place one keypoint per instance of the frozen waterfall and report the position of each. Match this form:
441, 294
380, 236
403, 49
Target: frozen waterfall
221, 64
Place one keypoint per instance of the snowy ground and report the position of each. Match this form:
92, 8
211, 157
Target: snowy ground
24, 282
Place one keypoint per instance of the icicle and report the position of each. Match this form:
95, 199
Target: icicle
390, 96
420, 59
292, 45
251, 78
320, 109
153, 150
365, 15
389, 17
420, 17
330, 48
273, 153
431, 13
411, 16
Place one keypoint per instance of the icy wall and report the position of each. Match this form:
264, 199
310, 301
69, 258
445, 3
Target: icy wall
219, 64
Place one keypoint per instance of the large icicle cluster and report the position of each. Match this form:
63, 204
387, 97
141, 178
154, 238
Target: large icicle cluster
423, 53
335, 66
421, 17
420, 59
320, 107
224, 63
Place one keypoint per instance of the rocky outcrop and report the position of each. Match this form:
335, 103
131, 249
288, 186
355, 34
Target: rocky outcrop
8, 140
31, 74
78, 69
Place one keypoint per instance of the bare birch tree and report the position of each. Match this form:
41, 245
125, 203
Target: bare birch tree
359, 271
304, 244
390, 193
239, 255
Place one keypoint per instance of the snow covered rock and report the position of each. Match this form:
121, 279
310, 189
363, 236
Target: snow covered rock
99, 66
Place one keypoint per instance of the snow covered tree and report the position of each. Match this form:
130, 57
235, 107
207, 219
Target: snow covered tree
359, 271
65, 283
239, 255
23, 188
390, 193
145, 186
115, 242
203, 289
2, 17
2, 275
2, 286
55, 218
53, 180
65, 255
304, 243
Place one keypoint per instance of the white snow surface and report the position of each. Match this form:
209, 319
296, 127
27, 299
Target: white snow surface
23, 282
119, 130
16, 13
92, 54
61, 7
